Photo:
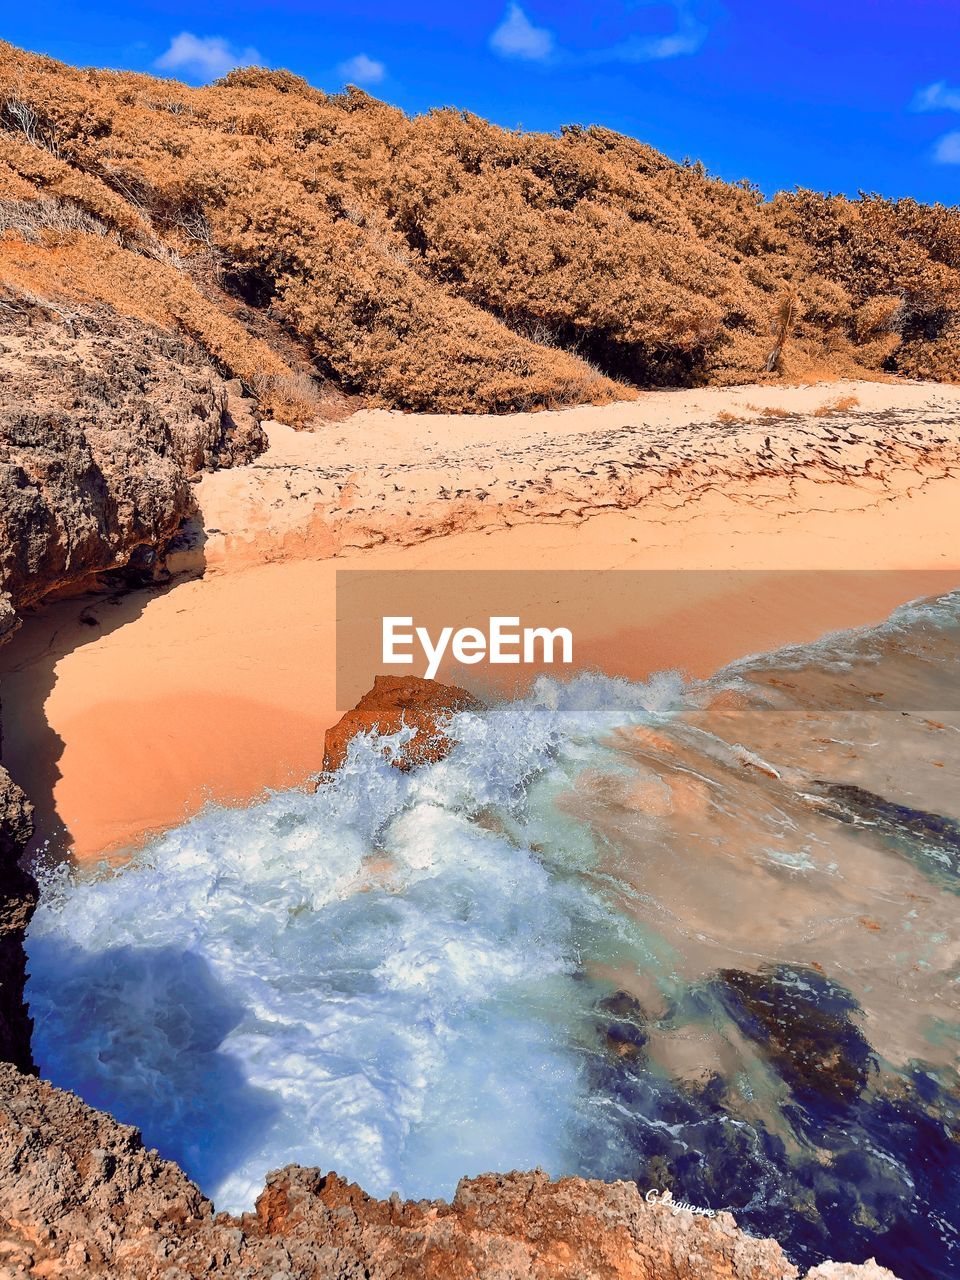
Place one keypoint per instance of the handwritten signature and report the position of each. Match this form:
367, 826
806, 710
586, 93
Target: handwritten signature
665, 1198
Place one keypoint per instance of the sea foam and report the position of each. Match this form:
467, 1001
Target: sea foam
367, 979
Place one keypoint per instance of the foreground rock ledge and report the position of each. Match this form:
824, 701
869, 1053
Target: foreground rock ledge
81, 1197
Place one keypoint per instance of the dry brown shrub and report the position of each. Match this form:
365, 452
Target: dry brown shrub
30, 218
841, 405
781, 328
88, 268
13, 186
776, 411
53, 176
442, 263
895, 269
293, 398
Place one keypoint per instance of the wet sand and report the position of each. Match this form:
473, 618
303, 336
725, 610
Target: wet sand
124, 715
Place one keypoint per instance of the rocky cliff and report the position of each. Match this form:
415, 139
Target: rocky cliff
80, 1197
102, 424
18, 896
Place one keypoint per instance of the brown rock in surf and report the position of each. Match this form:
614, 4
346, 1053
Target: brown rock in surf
395, 701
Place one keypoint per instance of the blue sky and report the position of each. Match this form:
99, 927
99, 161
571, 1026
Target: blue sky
831, 94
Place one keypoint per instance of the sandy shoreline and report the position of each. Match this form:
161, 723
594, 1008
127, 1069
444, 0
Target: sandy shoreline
390, 477
125, 715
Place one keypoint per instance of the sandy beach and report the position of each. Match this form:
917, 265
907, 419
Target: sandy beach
128, 713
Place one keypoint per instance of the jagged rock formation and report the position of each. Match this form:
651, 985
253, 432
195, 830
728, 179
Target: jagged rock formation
80, 1197
395, 701
102, 424
18, 897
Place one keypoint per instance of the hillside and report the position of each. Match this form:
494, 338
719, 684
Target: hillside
317, 246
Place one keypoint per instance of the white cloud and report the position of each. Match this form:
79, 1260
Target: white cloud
937, 97
362, 70
676, 46
517, 37
204, 57
947, 150
686, 39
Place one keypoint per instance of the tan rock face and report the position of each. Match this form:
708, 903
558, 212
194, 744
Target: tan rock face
80, 1197
102, 424
395, 701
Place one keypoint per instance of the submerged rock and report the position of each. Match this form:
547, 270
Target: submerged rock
395, 701
803, 1024
849, 1171
930, 840
621, 1021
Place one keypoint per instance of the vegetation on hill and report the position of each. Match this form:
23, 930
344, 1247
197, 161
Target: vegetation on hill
440, 262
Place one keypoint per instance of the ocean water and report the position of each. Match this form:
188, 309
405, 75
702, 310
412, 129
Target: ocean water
703, 936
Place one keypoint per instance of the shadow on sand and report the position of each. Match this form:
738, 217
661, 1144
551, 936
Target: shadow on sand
30, 749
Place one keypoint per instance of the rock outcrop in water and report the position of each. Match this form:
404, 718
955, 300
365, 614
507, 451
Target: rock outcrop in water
929, 839
805, 1026
80, 1197
395, 702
